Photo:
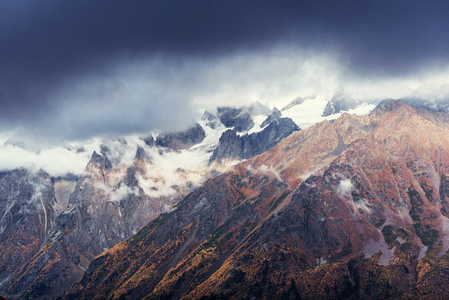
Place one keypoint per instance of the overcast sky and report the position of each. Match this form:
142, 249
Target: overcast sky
72, 70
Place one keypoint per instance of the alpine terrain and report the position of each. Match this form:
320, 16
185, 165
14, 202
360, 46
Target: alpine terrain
52, 227
349, 209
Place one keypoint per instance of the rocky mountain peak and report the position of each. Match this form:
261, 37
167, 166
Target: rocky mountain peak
99, 161
140, 154
274, 116
294, 102
387, 106
211, 120
235, 147
181, 140
338, 103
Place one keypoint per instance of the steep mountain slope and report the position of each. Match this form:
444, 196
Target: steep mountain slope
126, 184
353, 209
27, 215
93, 220
107, 205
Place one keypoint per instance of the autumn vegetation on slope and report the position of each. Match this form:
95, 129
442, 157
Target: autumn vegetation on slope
356, 208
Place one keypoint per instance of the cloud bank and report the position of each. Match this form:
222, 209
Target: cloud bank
74, 70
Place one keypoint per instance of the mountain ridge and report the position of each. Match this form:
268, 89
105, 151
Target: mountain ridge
263, 185
346, 201
122, 188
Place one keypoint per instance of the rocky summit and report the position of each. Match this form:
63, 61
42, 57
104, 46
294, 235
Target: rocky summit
235, 147
354, 209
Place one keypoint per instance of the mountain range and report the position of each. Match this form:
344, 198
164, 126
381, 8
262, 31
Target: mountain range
354, 207
53, 227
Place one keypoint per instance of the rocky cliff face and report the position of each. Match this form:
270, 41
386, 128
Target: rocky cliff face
45, 252
353, 209
338, 103
241, 119
275, 115
27, 201
179, 140
234, 117
235, 147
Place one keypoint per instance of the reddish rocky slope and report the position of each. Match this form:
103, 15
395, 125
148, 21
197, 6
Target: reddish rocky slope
353, 209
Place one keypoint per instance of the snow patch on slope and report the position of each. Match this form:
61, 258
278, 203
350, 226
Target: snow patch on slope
310, 111
258, 120
166, 170
212, 137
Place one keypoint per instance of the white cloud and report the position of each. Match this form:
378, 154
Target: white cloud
115, 194
279, 75
59, 161
56, 161
345, 186
136, 96
274, 77
170, 171
140, 94
362, 204
266, 171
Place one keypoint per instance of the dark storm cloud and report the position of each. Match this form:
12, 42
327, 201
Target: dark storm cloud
48, 46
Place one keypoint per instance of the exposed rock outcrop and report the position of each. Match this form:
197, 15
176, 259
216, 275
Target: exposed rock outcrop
235, 147
338, 103
296, 101
181, 140
274, 116
239, 118
178, 140
211, 120
27, 201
